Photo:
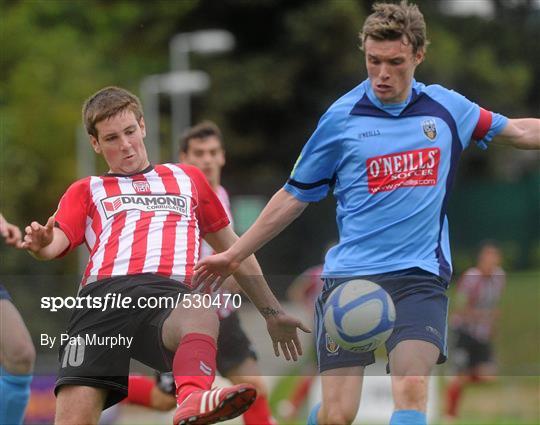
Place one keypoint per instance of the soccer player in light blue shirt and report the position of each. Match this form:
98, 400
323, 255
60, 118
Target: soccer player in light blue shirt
389, 149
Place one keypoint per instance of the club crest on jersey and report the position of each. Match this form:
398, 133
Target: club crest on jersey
141, 186
430, 129
331, 345
178, 204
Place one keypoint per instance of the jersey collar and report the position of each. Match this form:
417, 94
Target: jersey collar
146, 170
370, 105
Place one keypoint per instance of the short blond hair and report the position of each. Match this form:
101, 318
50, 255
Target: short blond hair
391, 21
106, 103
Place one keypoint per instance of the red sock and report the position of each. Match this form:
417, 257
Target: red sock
453, 395
301, 391
194, 365
140, 390
259, 413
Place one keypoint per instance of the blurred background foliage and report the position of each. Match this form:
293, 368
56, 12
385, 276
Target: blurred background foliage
292, 59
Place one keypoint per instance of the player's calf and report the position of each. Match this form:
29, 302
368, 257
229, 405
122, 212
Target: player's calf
341, 390
185, 321
410, 392
338, 410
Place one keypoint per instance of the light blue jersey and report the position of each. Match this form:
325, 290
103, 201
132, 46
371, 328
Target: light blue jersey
392, 168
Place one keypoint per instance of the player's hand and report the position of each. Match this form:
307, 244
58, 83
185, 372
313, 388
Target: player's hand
211, 272
12, 234
38, 236
283, 330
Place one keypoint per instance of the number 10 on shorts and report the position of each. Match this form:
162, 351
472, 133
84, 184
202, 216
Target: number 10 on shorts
74, 352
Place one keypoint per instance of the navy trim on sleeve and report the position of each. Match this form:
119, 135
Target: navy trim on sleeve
306, 186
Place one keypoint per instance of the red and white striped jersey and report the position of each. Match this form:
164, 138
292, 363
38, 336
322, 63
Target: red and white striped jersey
223, 196
149, 222
481, 293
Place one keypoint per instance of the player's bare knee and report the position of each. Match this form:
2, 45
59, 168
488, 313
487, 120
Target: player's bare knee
183, 321
20, 360
338, 411
89, 402
25, 361
410, 392
336, 414
71, 417
200, 320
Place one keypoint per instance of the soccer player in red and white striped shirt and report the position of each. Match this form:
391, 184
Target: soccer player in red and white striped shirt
202, 147
479, 291
142, 224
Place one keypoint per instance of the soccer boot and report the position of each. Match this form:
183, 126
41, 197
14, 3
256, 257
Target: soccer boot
210, 406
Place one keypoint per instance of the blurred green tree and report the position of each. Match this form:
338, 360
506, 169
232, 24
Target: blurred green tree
292, 60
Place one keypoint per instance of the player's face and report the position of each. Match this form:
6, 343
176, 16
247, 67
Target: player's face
120, 141
489, 259
390, 66
208, 155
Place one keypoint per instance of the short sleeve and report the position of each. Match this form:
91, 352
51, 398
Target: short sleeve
210, 212
72, 212
488, 125
472, 121
315, 168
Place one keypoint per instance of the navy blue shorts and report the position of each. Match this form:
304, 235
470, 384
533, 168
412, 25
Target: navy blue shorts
4, 294
421, 314
469, 352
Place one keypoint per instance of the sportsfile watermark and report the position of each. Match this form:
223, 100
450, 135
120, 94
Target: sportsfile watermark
515, 350
118, 301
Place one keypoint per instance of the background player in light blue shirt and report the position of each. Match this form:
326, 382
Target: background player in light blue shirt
389, 148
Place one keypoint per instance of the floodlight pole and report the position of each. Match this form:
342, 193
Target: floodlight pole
203, 42
174, 83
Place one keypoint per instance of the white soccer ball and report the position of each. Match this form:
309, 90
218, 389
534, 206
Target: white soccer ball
359, 315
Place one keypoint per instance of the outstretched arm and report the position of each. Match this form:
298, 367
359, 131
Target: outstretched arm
45, 242
523, 133
281, 327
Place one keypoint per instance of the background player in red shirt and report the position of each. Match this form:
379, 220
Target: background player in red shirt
479, 291
142, 224
202, 147
17, 353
